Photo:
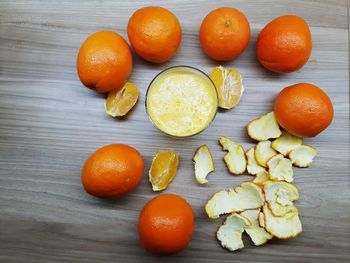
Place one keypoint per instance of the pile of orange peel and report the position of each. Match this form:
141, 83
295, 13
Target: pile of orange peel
262, 207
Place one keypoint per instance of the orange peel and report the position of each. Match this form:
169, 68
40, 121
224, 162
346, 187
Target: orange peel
303, 155
280, 197
264, 127
253, 167
235, 159
280, 168
230, 232
261, 178
285, 227
286, 142
239, 199
257, 233
203, 164
263, 152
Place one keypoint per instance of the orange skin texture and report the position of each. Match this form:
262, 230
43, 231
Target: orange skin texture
166, 224
224, 34
303, 110
154, 33
104, 61
112, 171
284, 45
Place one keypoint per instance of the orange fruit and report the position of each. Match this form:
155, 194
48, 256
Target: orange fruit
166, 224
112, 171
303, 110
224, 33
284, 45
104, 61
154, 33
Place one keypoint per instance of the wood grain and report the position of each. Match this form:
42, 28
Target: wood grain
50, 123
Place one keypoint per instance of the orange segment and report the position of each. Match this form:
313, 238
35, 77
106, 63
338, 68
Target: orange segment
163, 169
228, 83
120, 102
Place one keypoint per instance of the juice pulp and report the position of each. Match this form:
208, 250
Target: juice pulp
181, 101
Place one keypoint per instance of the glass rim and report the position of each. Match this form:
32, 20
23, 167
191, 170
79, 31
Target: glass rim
194, 69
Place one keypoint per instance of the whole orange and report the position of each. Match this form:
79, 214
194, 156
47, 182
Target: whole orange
154, 33
112, 171
104, 61
224, 33
166, 224
284, 45
303, 110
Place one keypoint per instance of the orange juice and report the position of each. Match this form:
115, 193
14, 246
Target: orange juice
181, 101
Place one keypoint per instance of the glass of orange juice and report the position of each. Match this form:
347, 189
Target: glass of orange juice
181, 101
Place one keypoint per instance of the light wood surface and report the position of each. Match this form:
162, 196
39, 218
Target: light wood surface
50, 123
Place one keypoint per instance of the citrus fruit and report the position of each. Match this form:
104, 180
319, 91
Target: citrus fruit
163, 169
120, 102
154, 33
303, 110
224, 33
284, 45
228, 83
112, 171
104, 61
166, 224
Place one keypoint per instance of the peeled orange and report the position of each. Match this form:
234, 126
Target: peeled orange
163, 169
228, 83
120, 102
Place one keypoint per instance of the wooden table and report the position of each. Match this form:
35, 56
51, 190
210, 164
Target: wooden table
50, 123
